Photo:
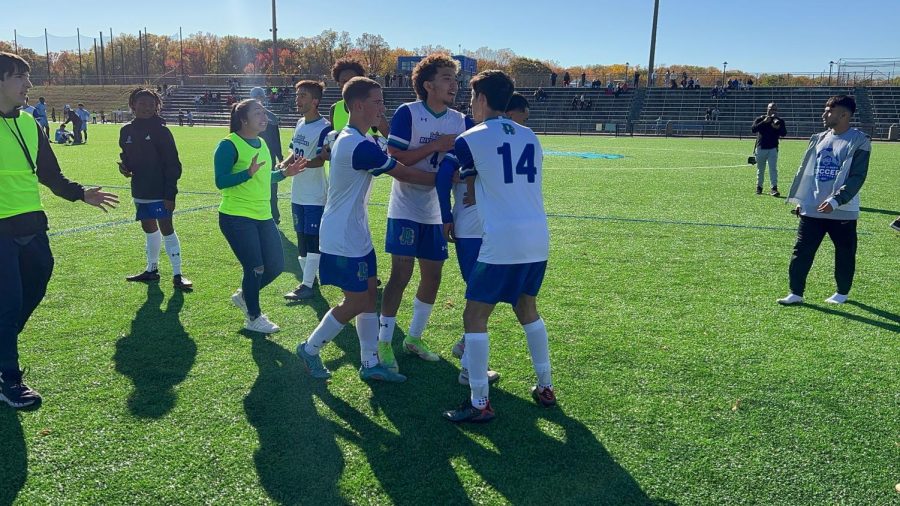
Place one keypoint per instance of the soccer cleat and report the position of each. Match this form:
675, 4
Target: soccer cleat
182, 283
493, 377
790, 300
237, 298
459, 348
837, 298
896, 225
418, 347
467, 413
759, 190
386, 357
543, 396
312, 363
302, 292
144, 276
380, 373
261, 324
15, 392
774, 192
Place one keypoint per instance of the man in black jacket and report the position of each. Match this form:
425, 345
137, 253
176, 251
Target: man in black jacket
768, 128
26, 261
273, 141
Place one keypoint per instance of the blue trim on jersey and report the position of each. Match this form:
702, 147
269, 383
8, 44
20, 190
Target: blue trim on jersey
412, 239
469, 122
350, 274
401, 128
434, 114
443, 184
495, 283
321, 142
464, 156
369, 157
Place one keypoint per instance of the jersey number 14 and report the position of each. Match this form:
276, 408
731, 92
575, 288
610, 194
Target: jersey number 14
524, 167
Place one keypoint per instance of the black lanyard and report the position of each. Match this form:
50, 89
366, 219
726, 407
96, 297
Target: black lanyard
20, 139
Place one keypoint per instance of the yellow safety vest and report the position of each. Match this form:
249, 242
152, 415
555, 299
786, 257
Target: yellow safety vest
250, 198
18, 158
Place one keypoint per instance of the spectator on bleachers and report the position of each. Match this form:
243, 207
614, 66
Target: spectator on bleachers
708, 115
190, 118
715, 113
637, 79
691, 83
540, 95
583, 79
566, 79
659, 124
588, 104
668, 78
553, 77
749, 82
181, 118
574, 103
768, 129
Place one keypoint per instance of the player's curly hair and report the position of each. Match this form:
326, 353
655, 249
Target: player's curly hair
426, 69
347, 64
144, 92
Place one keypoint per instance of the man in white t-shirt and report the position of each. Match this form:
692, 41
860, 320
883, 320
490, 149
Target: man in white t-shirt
345, 241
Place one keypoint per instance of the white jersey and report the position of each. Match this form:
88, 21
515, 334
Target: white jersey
310, 187
355, 159
507, 159
413, 126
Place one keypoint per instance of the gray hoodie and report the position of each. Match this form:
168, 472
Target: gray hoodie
834, 176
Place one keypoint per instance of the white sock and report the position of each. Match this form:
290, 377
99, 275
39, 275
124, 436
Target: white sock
837, 298
421, 314
367, 331
327, 330
536, 334
463, 360
154, 241
302, 261
477, 350
173, 249
386, 331
310, 268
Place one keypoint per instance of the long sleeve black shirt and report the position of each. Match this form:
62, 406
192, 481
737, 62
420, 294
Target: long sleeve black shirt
767, 132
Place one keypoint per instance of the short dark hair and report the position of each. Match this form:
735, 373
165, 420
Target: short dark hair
239, 112
496, 86
844, 101
358, 89
143, 92
315, 88
428, 68
517, 102
12, 64
347, 64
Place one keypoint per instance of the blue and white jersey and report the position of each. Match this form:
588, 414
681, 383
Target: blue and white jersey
413, 126
508, 160
310, 187
40, 110
85, 116
355, 159
466, 222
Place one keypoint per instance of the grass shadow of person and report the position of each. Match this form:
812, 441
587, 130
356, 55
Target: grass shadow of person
874, 310
156, 355
879, 211
13, 456
298, 460
857, 318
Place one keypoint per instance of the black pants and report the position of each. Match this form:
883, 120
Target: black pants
26, 264
809, 237
276, 215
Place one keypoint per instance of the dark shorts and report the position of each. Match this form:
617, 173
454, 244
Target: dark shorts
411, 239
467, 254
152, 211
307, 218
348, 274
492, 283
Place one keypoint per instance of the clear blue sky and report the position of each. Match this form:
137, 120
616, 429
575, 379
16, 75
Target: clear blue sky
753, 35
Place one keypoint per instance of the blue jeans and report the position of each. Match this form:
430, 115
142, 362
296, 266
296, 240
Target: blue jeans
257, 246
26, 264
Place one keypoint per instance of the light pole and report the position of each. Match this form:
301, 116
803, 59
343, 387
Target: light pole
274, 43
830, 67
724, 75
626, 72
650, 68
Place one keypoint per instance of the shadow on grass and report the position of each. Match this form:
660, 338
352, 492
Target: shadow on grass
879, 211
13, 456
156, 355
893, 327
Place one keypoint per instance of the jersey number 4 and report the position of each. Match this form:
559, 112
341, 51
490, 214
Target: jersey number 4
524, 167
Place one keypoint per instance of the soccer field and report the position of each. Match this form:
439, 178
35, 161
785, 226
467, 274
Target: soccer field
679, 378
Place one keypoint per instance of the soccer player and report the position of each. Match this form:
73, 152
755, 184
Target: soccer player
506, 160
85, 117
421, 133
245, 215
518, 109
310, 188
40, 115
76, 122
26, 261
348, 257
150, 158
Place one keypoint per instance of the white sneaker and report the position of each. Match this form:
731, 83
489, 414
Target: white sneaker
790, 300
237, 298
836, 299
261, 324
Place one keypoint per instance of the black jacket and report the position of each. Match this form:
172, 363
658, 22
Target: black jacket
767, 131
149, 152
49, 174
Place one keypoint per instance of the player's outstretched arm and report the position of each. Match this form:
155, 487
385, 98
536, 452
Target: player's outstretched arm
410, 175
